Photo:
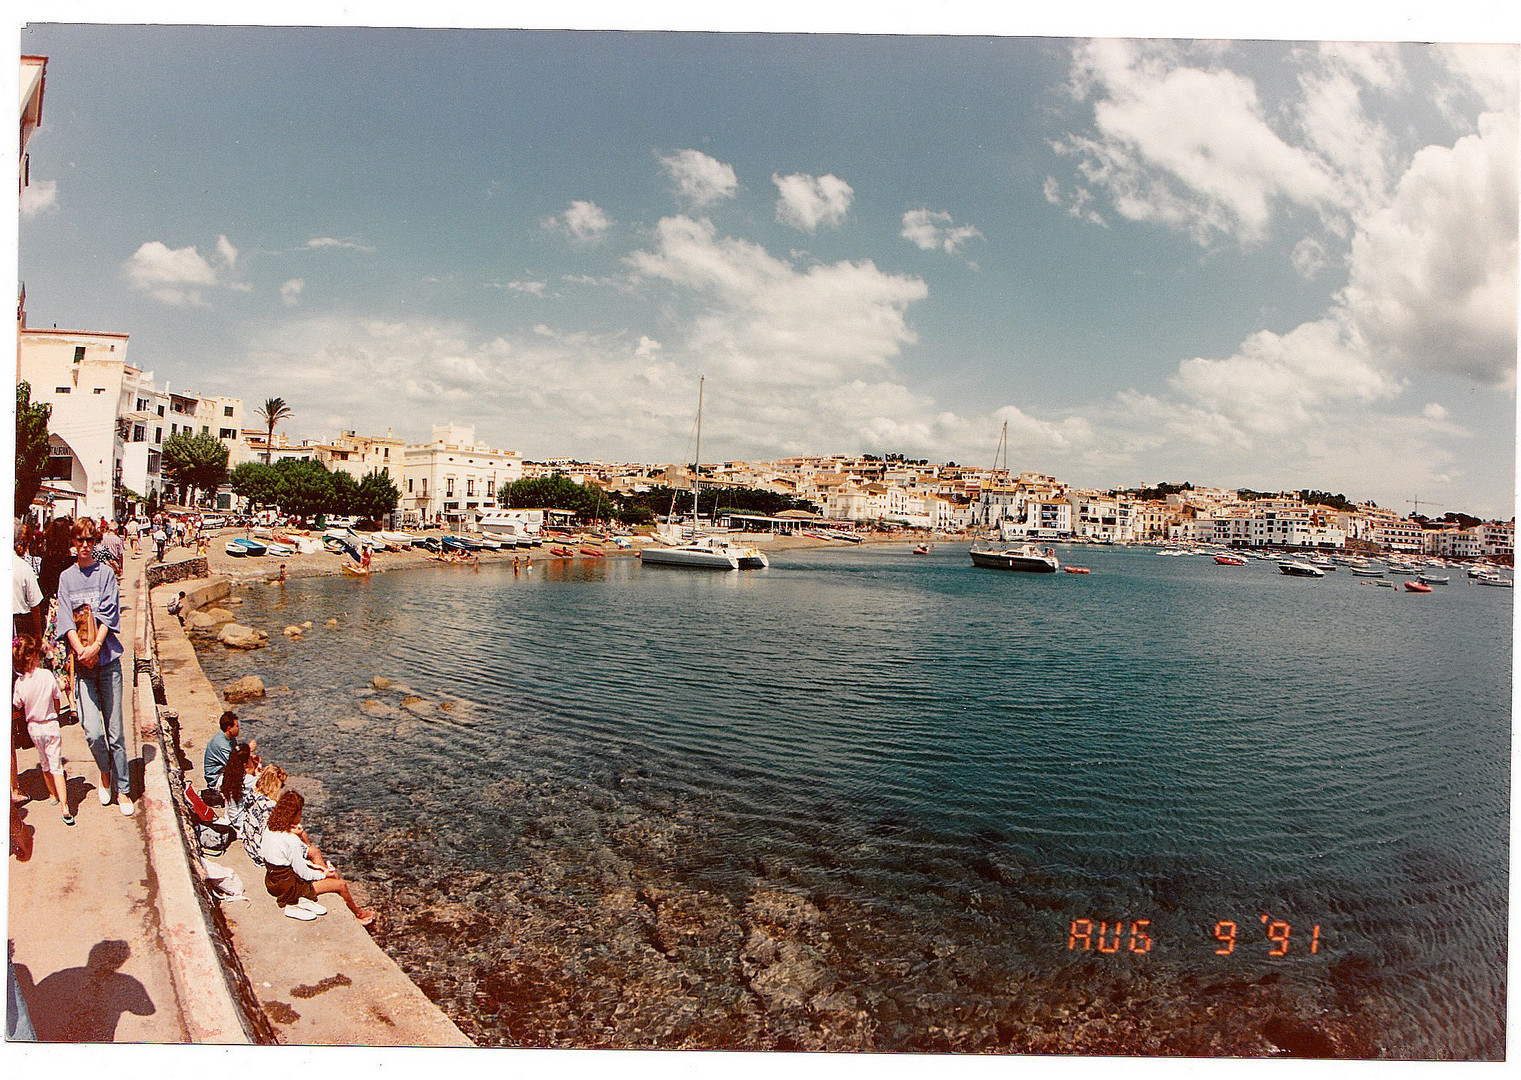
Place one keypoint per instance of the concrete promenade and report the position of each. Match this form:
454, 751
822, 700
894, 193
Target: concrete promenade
112, 932
90, 943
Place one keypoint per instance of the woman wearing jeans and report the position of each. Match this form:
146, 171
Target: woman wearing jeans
97, 665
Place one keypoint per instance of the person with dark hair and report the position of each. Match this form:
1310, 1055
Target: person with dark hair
220, 748
237, 786
290, 875
89, 619
26, 590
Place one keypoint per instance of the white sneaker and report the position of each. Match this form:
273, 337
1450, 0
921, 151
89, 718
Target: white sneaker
105, 795
126, 806
296, 911
314, 906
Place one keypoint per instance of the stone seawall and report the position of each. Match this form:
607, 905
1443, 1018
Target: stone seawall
164, 573
319, 983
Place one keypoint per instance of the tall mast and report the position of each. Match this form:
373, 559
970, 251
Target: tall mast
697, 468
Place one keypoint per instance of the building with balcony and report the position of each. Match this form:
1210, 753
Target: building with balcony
453, 478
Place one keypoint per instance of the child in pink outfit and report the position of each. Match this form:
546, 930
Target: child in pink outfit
34, 697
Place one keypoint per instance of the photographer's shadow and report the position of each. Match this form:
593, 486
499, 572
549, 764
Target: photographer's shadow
84, 1004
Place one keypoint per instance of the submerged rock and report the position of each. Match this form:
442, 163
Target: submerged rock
248, 688
238, 636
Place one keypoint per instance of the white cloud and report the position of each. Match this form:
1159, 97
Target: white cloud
583, 220
171, 275
1188, 147
39, 197
1077, 204
1433, 273
1309, 258
935, 230
226, 252
319, 243
290, 292
700, 179
1433, 411
762, 319
806, 202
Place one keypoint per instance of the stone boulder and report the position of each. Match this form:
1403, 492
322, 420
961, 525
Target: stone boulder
248, 688
208, 618
380, 682
237, 636
293, 632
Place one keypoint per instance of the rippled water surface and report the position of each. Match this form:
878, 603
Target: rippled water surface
864, 799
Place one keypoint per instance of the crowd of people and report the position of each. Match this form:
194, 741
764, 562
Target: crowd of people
265, 816
66, 654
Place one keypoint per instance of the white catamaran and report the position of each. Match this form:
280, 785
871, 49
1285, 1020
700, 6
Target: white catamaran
684, 544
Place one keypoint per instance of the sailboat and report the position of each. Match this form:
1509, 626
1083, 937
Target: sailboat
1026, 557
686, 546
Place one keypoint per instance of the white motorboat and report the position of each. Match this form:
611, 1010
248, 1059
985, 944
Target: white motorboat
1027, 557
1433, 579
1300, 569
1495, 580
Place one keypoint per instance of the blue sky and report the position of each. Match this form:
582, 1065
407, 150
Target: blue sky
1251, 263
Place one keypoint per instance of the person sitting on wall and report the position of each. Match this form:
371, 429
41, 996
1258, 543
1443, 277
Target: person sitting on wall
220, 748
289, 874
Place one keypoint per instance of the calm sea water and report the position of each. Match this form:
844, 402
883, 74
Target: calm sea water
866, 799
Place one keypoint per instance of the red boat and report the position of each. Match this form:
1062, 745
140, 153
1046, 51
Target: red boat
1230, 560
595, 553
1076, 569
562, 552
1417, 586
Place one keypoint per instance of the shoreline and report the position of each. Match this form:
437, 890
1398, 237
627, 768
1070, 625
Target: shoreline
253, 569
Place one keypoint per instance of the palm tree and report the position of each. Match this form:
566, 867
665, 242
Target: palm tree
274, 410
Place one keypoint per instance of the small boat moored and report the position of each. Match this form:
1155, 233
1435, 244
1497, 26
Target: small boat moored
1027, 558
1300, 569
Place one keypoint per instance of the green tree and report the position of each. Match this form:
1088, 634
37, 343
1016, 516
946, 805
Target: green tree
345, 497
195, 461
31, 446
377, 496
274, 410
256, 482
305, 487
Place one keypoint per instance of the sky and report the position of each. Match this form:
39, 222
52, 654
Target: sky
1275, 264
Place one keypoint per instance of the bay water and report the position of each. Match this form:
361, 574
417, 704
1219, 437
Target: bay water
867, 799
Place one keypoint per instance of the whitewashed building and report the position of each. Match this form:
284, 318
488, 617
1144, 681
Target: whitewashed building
94, 396
453, 477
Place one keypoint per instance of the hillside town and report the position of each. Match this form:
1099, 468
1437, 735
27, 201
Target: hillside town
110, 420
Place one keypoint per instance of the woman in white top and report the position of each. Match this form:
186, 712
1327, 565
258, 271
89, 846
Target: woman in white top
289, 875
